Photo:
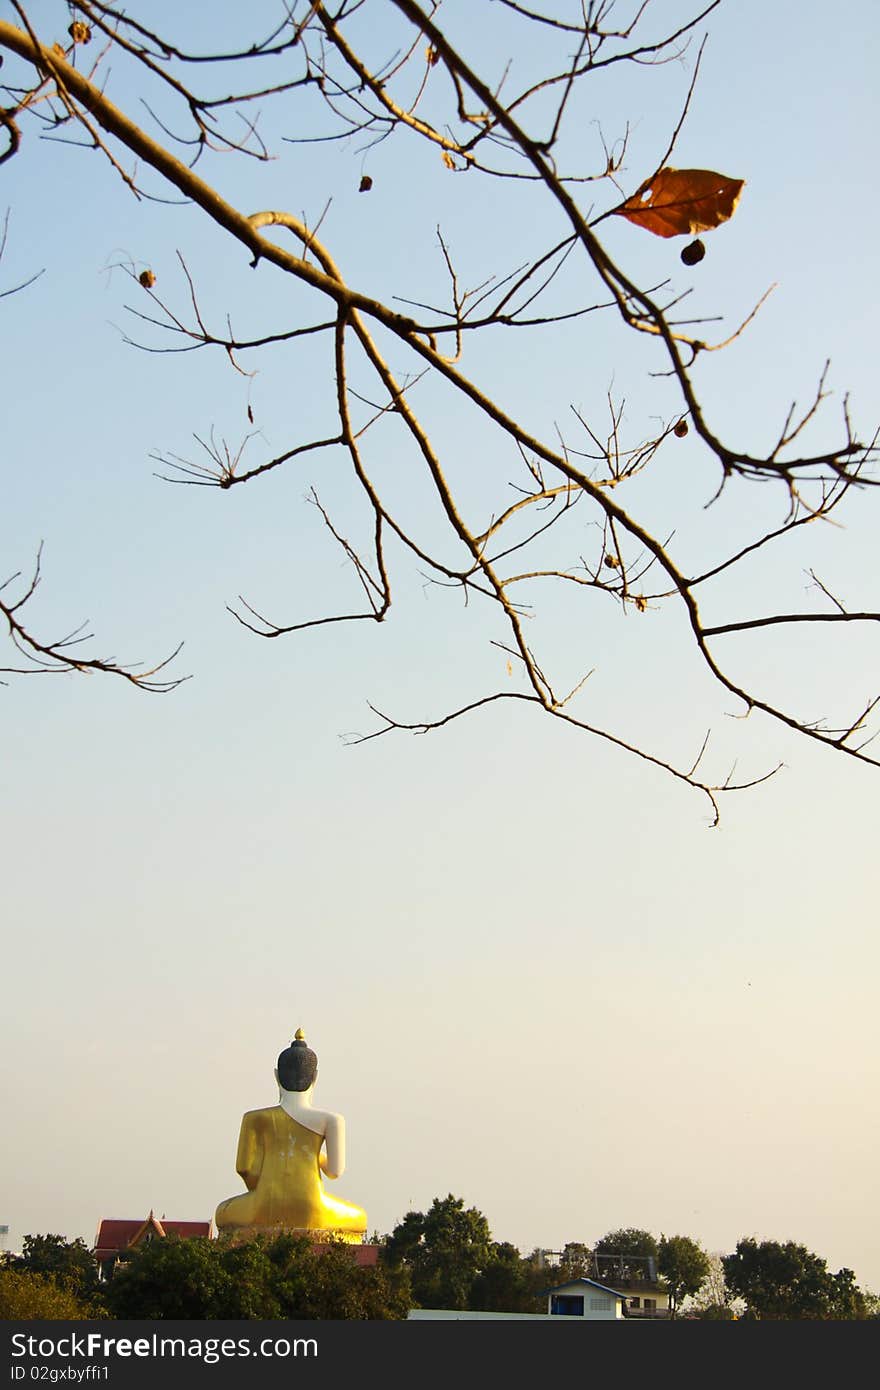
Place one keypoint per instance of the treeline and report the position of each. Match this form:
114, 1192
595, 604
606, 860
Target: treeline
273, 1277
442, 1258
452, 1262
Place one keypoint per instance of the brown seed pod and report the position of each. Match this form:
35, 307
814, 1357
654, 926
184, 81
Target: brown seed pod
681, 429
365, 184
693, 253
147, 279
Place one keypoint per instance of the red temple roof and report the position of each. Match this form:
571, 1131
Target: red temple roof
363, 1254
114, 1236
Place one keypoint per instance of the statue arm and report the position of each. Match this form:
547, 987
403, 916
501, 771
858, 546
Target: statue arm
249, 1160
331, 1159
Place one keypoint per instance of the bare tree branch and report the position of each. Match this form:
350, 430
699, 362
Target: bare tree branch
58, 656
568, 509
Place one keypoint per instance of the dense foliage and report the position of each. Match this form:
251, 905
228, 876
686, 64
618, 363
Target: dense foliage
25, 1295
62, 1259
270, 1277
683, 1266
52, 1278
442, 1258
453, 1262
790, 1282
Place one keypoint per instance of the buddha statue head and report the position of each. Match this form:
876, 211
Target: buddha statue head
297, 1065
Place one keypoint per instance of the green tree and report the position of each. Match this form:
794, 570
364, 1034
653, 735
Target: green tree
265, 1278
845, 1299
624, 1254
25, 1295
788, 1281
509, 1283
337, 1288
576, 1261
172, 1278
683, 1265
443, 1249
69, 1260
872, 1304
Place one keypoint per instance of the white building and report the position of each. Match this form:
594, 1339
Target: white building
585, 1298
579, 1298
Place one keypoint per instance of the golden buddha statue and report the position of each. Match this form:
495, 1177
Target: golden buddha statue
282, 1153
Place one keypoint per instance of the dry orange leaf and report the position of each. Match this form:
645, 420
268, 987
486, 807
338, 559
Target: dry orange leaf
682, 202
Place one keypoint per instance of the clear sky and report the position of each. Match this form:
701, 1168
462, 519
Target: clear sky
533, 975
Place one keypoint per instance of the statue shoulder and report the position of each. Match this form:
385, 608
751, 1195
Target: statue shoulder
254, 1119
319, 1121
331, 1118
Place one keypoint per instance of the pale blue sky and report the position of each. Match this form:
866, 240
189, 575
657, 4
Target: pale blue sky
515, 920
